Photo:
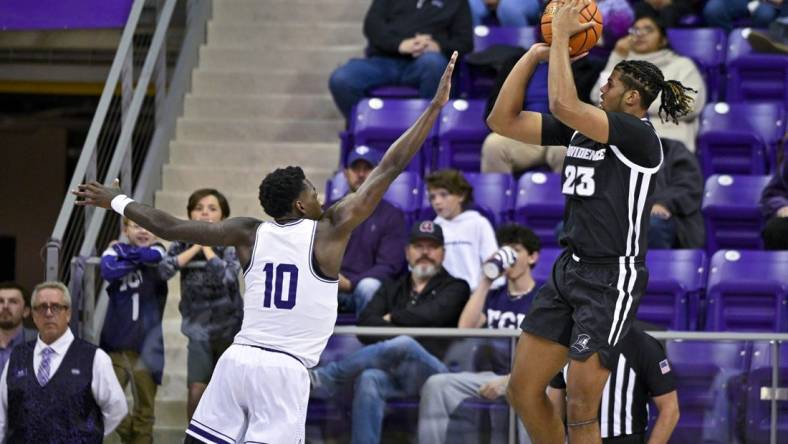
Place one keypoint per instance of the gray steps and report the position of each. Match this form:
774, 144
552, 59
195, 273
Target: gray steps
270, 154
256, 130
251, 35
266, 82
275, 106
229, 180
271, 56
310, 11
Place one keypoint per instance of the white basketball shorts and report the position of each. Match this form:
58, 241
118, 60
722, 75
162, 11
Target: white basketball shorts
255, 396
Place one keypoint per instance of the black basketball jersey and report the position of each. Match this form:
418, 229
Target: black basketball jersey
606, 186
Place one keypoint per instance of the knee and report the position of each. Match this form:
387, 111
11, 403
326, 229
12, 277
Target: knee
434, 386
521, 393
341, 79
367, 286
581, 406
714, 10
493, 146
401, 344
513, 12
763, 15
370, 382
431, 63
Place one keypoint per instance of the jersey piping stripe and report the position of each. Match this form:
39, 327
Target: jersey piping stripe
623, 271
254, 248
617, 401
311, 253
604, 418
630, 394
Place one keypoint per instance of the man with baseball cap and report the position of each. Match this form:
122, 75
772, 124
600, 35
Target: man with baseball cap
427, 296
375, 250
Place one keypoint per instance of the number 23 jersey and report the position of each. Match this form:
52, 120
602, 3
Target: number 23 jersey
288, 305
606, 186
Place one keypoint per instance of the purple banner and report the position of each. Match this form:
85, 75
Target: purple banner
21, 15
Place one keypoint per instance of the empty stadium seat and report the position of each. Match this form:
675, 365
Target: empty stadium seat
544, 267
740, 138
759, 382
754, 76
702, 371
748, 291
676, 279
707, 48
730, 208
539, 205
377, 123
461, 133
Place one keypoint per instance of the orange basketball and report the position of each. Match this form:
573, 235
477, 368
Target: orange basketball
582, 41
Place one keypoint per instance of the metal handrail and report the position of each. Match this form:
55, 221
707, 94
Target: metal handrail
774, 340
168, 105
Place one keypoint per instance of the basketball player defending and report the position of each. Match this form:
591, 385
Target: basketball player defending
260, 388
613, 155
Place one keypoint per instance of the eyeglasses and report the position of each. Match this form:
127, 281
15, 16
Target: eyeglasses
56, 309
637, 32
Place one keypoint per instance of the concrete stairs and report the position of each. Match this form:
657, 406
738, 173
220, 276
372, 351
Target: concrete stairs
259, 101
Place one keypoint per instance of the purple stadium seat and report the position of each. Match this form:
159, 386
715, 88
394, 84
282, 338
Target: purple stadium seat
754, 76
544, 267
477, 81
730, 208
740, 138
377, 123
758, 410
493, 196
539, 205
405, 194
676, 278
748, 291
461, 134
706, 47
698, 367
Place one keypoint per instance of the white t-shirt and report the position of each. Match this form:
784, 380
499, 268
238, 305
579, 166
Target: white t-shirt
469, 240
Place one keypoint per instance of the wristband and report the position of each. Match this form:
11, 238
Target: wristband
120, 202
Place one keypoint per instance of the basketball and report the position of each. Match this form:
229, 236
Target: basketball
582, 41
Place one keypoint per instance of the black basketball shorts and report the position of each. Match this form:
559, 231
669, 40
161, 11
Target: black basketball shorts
587, 306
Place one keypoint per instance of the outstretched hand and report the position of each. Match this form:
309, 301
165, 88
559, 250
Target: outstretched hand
444, 88
566, 18
96, 194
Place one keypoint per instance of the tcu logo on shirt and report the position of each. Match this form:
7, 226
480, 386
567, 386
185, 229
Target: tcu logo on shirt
504, 319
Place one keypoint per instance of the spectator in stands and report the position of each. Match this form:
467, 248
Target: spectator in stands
775, 40
504, 155
132, 333
211, 304
623, 413
409, 44
14, 308
648, 41
676, 219
503, 307
470, 238
774, 203
670, 11
723, 13
376, 249
513, 13
58, 388
427, 296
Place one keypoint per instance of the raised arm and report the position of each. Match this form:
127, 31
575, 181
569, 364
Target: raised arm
507, 117
348, 213
238, 231
562, 92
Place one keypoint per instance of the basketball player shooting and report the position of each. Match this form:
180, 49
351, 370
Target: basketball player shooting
260, 388
613, 154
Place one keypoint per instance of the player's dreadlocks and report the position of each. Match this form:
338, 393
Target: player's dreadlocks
648, 80
279, 189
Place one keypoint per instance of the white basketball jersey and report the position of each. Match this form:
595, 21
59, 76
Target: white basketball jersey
288, 306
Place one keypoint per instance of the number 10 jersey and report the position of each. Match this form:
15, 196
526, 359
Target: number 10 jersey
288, 305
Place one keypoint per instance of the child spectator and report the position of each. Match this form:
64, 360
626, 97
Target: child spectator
132, 334
470, 238
211, 304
